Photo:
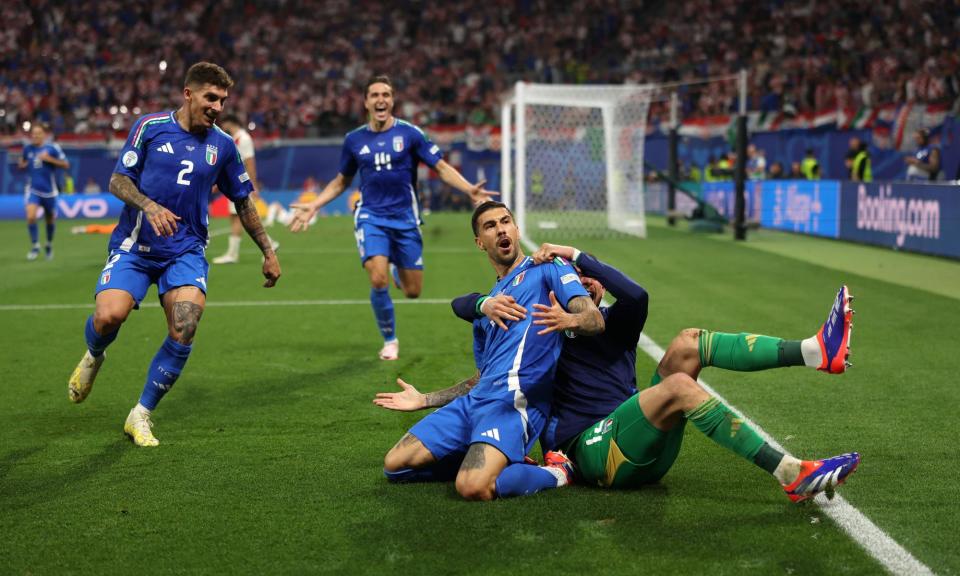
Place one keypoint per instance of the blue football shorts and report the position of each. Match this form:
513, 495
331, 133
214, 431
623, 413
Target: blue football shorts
49, 204
403, 247
134, 273
453, 428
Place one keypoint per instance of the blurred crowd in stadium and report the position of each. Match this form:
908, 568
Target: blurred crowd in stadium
92, 66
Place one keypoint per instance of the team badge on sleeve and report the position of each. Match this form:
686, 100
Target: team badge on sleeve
398, 143
211, 155
130, 159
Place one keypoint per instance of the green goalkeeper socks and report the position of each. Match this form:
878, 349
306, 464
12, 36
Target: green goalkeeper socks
725, 428
747, 352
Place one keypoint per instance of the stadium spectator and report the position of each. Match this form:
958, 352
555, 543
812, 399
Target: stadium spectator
924, 164
296, 62
796, 172
92, 187
859, 156
756, 163
776, 171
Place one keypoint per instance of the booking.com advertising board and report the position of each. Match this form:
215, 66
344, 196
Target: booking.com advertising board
914, 217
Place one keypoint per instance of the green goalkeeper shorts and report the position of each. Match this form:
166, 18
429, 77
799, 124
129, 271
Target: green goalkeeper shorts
624, 450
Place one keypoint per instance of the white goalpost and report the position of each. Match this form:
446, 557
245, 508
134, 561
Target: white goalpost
572, 159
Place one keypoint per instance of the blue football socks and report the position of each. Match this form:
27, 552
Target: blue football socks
34, 233
383, 311
164, 371
51, 228
524, 479
97, 343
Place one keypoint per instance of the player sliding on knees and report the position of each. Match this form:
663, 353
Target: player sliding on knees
386, 152
490, 421
610, 435
165, 173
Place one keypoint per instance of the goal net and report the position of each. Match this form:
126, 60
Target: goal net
574, 164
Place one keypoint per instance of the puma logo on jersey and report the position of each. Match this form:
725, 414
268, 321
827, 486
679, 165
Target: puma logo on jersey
168, 148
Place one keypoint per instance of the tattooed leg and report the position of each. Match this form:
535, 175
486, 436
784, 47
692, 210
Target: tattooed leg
478, 472
183, 307
408, 452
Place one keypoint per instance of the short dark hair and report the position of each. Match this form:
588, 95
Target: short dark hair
203, 73
377, 79
486, 207
232, 118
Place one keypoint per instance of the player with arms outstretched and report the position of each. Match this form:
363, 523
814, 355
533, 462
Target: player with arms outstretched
42, 158
165, 174
385, 152
481, 436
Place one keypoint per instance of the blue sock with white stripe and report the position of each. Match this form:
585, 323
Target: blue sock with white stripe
164, 371
524, 479
34, 233
97, 343
383, 311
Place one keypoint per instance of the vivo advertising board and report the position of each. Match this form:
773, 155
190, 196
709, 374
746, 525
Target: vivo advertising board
68, 206
915, 217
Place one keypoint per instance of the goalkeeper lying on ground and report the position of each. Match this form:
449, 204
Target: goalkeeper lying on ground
615, 437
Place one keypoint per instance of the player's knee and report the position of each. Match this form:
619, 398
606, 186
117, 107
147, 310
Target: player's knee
394, 461
109, 317
476, 488
412, 292
378, 281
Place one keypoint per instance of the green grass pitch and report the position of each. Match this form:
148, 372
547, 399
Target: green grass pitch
271, 449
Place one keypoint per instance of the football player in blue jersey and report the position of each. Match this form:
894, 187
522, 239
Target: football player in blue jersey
617, 437
42, 158
481, 437
165, 174
386, 151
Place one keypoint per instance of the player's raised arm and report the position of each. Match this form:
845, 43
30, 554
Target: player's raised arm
163, 221
305, 211
452, 177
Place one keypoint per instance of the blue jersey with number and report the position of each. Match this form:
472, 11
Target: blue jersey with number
387, 162
176, 169
517, 365
42, 176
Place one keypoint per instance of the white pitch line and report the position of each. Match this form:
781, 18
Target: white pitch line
877, 543
234, 304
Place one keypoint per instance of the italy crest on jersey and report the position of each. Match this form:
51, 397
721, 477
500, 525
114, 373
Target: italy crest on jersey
211, 155
519, 278
398, 143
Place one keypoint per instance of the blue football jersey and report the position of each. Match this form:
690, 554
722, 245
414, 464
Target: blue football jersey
42, 176
517, 365
387, 162
177, 170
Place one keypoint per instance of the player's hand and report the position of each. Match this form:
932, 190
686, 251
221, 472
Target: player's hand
501, 308
271, 269
303, 213
554, 317
408, 400
44, 157
479, 194
163, 221
547, 252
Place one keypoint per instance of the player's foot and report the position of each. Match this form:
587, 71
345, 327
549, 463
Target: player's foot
34, 253
226, 259
818, 476
834, 335
390, 350
81, 381
557, 460
139, 428
48, 252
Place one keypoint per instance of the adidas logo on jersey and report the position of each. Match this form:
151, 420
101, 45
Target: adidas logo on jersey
168, 148
364, 150
492, 433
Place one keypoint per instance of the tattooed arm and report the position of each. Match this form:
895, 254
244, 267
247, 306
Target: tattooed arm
247, 212
583, 317
411, 399
163, 221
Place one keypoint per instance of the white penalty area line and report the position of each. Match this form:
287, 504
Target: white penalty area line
236, 304
877, 543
